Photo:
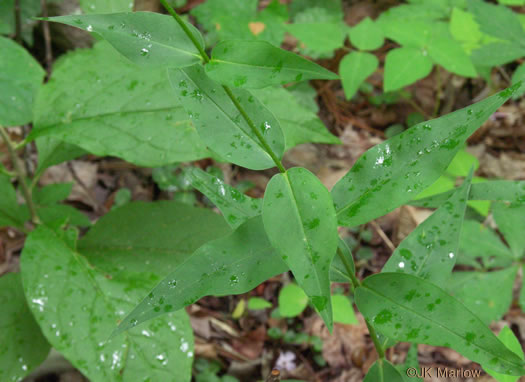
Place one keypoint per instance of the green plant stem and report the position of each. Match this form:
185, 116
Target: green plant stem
228, 91
356, 283
26, 192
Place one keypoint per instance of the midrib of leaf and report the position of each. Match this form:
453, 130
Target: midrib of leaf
305, 237
440, 325
248, 135
104, 247
265, 67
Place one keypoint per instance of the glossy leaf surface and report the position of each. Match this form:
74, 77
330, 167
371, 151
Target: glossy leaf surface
431, 249
220, 125
258, 64
407, 308
22, 345
108, 106
236, 207
308, 240
407, 163
354, 68
221, 267
77, 308
146, 38
20, 79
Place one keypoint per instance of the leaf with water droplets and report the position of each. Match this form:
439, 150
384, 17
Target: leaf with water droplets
106, 105
220, 124
106, 6
21, 77
146, 38
230, 265
486, 294
407, 308
236, 207
408, 163
497, 190
430, 251
79, 300
383, 371
299, 218
23, 347
258, 64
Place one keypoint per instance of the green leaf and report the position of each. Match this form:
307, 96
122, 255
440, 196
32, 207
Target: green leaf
20, 79
308, 240
61, 213
77, 308
517, 76
497, 21
257, 303
510, 219
449, 54
510, 341
497, 53
172, 233
28, 10
366, 35
354, 68
505, 190
343, 310
464, 28
10, 211
221, 267
404, 66
236, 207
338, 271
305, 95
52, 151
106, 6
219, 123
383, 371
23, 345
430, 251
407, 163
321, 37
462, 163
292, 300
299, 124
52, 193
145, 38
480, 241
258, 64
411, 362
108, 106
443, 184
477, 291
407, 308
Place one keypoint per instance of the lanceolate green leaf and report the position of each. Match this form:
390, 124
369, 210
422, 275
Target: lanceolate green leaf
338, 272
321, 37
298, 123
383, 371
257, 64
308, 240
108, 106
146, 38
106, 6
504, 190
220, 124
23, 345
77, 308
430, 251
236, 207
404, 66
509, 339
354, 68
20, 79
407, 163
487, 294
234, 264
510, 219
407, 308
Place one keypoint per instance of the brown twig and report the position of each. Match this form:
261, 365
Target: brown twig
383, 235
47, 37
275, 376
